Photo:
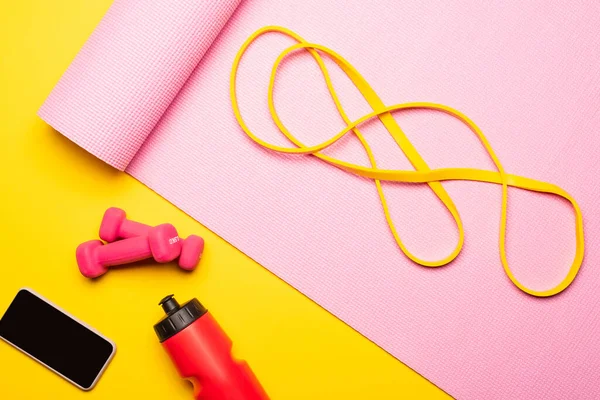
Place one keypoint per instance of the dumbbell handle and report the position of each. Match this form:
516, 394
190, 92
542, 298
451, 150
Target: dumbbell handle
124, 251
130, 229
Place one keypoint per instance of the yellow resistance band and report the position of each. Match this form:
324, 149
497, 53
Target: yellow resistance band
422, 173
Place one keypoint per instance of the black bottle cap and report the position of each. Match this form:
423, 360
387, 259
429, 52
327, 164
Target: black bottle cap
178, 317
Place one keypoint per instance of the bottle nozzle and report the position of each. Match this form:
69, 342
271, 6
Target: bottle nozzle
178, 316
169, 304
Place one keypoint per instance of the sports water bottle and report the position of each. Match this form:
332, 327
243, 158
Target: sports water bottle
201, 352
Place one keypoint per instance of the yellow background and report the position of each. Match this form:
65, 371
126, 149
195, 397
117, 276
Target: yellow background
53, 195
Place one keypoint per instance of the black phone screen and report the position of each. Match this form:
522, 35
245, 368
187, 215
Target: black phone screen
55, 339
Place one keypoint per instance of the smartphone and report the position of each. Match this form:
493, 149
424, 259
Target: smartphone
56, 339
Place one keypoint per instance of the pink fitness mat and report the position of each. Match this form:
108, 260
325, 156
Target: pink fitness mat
149, 94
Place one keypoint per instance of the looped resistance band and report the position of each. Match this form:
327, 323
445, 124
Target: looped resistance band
422, 173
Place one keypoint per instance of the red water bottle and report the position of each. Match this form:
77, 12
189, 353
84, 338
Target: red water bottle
201, 352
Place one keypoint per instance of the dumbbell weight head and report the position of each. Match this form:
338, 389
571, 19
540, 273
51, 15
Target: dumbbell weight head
191, 251
87, 260
111, 224
164, 242
115, 225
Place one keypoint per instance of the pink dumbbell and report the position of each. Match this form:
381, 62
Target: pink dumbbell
161, 243
115, 225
